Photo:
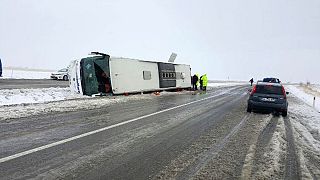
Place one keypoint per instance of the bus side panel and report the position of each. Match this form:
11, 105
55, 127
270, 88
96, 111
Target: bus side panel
129, 75
183, 77
74, 77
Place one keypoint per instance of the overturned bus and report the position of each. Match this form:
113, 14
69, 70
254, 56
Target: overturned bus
100, 73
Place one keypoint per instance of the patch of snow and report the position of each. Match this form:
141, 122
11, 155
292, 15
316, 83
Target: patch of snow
307, 123
305, 173
24, 74
304, 96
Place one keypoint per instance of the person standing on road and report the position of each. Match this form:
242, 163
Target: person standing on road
195, 80
201, 83
251, 81
198, 82
204, 82
0, 68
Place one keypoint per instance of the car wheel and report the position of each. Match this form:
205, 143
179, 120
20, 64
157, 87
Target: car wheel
284, 113
249, 109
65, 78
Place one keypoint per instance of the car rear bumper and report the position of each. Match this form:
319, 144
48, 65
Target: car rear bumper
267, 106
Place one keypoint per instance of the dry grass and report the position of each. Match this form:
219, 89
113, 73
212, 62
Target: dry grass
308, 89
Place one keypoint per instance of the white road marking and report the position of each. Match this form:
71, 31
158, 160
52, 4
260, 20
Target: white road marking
8, 158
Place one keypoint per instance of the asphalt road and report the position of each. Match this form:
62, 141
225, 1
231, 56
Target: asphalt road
186, 136
31, 83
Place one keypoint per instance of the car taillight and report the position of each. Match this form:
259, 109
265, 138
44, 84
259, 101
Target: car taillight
284, 93
254, 90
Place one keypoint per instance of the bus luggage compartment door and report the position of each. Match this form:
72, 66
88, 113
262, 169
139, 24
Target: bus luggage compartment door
167, 75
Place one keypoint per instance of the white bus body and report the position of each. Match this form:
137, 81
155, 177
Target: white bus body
126, 75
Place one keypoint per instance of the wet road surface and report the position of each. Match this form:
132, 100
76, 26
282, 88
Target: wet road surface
185, 136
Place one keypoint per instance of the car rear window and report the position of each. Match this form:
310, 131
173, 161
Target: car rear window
269, 89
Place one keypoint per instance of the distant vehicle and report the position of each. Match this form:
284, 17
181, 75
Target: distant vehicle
101, 73
268, 97
62, 74
271, 80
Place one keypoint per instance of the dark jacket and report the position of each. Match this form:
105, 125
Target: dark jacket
0, 68
195, 79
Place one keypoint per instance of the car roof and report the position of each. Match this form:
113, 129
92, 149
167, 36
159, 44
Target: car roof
270, 78
268, 84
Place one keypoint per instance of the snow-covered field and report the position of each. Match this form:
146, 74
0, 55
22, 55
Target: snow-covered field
24, 73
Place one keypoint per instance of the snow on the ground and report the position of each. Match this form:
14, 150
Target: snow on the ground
307, 121
306, 127
304, 117
306, 95
20, 73
83, 103
18, 103
226, 83
26, 96
276, 151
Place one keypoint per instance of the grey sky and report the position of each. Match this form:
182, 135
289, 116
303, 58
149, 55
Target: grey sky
227, 38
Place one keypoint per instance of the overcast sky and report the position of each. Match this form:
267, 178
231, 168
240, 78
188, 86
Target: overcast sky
238, 39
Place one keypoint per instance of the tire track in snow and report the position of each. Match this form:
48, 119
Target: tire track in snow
204, 158
271, 151
265, 158
249, 160
292, 170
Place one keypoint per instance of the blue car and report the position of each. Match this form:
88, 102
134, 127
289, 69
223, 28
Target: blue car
270, 97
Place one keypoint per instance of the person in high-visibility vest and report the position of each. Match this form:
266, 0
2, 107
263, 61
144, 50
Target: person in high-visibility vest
204, 82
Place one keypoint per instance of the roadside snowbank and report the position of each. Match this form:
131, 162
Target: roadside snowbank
26, 96
86, 103
306, 125
307, 97
18, 103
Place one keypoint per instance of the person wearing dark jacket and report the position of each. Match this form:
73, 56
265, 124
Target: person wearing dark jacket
201, 83
0, 68
195, 80
251, 81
